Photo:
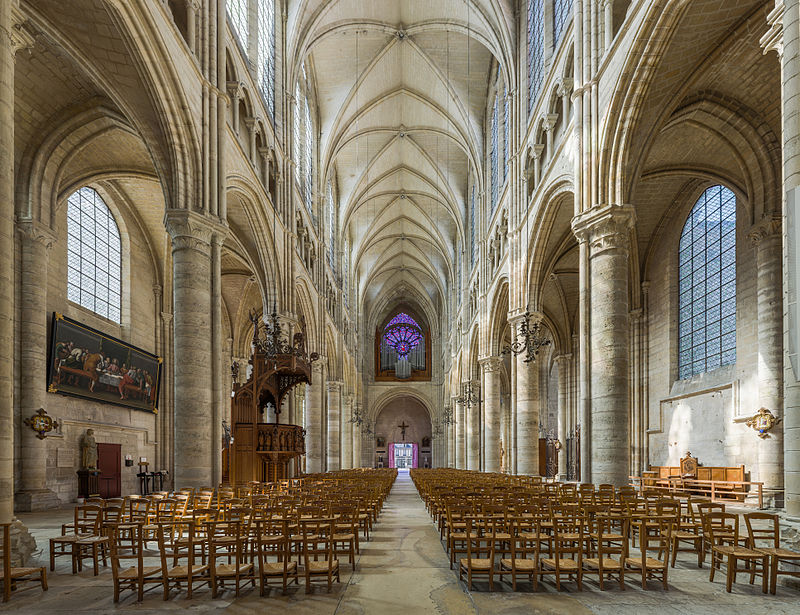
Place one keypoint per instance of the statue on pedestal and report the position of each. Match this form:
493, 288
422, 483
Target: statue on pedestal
88, 451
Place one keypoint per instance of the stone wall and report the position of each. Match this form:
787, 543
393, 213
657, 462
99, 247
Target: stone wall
704, 414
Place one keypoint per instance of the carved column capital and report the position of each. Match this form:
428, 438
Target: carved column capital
773, 38
764, 229
31, 230
549, 121
565, 86
605, 227
235, 90
491, 364
21, 35
192, 230
563, 358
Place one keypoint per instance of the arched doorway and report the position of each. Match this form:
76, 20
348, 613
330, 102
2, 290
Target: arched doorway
403, 434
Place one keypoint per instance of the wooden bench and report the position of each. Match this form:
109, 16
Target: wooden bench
721, 482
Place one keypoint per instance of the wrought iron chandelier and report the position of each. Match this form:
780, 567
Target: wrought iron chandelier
448, 418
269, 339
366, 428
529, 339
358, 417
470, 394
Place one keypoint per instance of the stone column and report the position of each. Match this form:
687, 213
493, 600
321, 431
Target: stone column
357, 439
314, 419
607, 231
528, 404
474, 431
461, 434
191, 235
35, 242
491, 395
12, 37
766, 238
563, 361
347, 432
334, 424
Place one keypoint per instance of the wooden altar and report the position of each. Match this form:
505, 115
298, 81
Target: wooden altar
260, 450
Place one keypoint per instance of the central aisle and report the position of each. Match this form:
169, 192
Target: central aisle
403, 566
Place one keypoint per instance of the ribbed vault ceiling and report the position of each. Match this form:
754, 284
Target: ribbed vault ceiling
401, 91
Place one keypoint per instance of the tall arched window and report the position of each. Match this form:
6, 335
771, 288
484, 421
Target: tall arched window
331, 224
402, 349
266, 52
94, 255
494, 147
473, 248
562, 13
303, 136
237, 10
535, 50
506, 130
707, 273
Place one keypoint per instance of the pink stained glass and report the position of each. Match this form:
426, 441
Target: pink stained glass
403, 334
402, 319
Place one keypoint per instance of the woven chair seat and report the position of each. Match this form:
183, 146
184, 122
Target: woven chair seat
183, 571
476, 563
609, 563
17, 573
779, 552
276, 568
133, 572
563, 563
636, 562
520, 564
316, 567
229, 570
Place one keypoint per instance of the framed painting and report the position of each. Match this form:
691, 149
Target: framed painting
84, 362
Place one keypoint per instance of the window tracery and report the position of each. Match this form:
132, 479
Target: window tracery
707, 284
94, 255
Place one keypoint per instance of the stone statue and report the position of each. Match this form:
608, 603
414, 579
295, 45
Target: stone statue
502, 458
88, 451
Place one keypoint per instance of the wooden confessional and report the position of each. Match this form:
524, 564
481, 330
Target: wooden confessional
262, 451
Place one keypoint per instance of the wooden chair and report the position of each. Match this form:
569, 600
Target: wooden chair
687, 531
273, 541
87, 525
228, 539
127, 561
607, 543
652, 567
479, 560
524, 556
722, 530
567, 552
766, 539
319, 559
456, 536
13, 576
345, 537
174, 575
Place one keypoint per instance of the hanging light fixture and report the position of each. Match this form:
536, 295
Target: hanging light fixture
529, 338
470, 394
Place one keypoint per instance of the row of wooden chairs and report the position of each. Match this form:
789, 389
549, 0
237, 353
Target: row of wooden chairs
663, 527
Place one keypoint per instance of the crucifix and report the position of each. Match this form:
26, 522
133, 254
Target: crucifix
403, 427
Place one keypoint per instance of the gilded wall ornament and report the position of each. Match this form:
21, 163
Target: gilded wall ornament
41, 423
763, 421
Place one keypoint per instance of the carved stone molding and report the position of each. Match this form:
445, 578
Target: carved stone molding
563, 358
773, 39
21, 35
190, 230
605, 227
549, 121
333, 386
30, 230
764, 229
491, 364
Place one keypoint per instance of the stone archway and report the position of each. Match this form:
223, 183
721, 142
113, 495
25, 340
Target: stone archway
404, 410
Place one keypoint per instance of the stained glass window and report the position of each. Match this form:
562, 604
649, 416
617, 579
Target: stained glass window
331, 211
535, 49
472, 215
303, 136
237, 10
707, 284
493, 155
562, 13
403, 338
402, 341
94, 255
506, 131
266, 52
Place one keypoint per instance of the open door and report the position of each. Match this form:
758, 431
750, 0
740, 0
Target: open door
109, 462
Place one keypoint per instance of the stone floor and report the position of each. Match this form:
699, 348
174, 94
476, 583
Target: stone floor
402, 569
